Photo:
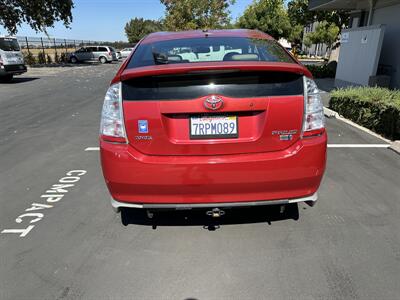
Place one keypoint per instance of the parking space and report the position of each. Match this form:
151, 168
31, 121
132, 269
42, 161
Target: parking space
345, 247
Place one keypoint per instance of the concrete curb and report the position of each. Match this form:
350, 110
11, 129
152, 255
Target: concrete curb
395, 146
329, 113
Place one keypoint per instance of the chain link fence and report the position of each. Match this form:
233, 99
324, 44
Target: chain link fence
46, 50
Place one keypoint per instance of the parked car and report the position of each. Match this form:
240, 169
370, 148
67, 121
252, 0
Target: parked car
103, 54
189, 123
125, 52
11, 59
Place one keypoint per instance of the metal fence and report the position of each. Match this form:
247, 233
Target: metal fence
52, 47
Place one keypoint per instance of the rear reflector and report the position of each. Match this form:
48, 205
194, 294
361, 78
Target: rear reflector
315, 132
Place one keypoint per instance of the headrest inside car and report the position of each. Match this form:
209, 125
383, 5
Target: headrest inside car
174, 57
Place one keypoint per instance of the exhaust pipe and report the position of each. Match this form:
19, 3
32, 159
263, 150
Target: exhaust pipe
215, 212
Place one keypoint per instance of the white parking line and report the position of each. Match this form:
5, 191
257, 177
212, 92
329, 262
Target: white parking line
92, 149
358, 145
329, 146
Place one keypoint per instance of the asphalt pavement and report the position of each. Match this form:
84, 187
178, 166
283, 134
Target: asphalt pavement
75, 247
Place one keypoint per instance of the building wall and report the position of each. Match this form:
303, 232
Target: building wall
390, 55
359, 55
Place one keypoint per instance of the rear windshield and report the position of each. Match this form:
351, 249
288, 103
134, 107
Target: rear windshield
9, 44
208, 49
190, 86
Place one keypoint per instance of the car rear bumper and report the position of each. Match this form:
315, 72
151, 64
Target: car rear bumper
182, 206
12, 69
138, 180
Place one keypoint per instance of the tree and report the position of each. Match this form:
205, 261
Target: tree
39, 14
269, 16
137, 28
330, 34
196, 14
307, 41
299, 14
296, 35
325, 33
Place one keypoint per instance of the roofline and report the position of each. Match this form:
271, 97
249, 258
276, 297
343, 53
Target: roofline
328, 5
174, 35
319, 6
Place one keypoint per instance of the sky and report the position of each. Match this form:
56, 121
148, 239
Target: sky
104, 20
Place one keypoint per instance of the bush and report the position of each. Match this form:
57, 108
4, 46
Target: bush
322, 71
41, 58
56, 58
29, 59
49, 60
375, 108
63, 57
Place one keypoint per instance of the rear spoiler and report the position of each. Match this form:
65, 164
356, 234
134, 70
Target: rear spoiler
211, 67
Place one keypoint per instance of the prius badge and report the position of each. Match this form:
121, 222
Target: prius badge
213, 102
285, 135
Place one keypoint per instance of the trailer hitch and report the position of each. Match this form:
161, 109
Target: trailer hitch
215, 213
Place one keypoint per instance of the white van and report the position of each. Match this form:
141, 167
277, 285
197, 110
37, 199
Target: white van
11, 58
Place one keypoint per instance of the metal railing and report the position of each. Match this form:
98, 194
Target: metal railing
52, 46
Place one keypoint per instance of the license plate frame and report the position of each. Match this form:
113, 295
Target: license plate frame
234, 135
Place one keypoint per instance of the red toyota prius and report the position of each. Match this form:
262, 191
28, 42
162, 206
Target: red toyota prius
212, 119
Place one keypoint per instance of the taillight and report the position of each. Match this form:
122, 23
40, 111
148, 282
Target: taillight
112, 127
314, 119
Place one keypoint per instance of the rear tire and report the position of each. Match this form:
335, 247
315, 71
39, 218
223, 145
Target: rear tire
74, 60
7, 78
103, 60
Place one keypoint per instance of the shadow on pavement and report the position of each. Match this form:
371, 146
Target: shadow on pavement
19, 80
326, 84
71, 65
198, 217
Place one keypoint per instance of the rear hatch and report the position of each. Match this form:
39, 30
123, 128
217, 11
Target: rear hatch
213, 110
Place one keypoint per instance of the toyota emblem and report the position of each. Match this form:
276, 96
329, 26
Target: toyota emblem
213, 102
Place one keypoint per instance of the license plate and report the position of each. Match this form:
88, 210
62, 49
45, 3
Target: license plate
213, 127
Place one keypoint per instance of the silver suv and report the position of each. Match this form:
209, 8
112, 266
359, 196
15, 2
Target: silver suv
102, 54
